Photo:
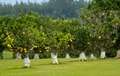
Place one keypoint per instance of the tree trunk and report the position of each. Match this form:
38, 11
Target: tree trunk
102, 53
36, 56
82, 56
54, 58
92, 56
118, 54
67, 55
18, 55
27, 61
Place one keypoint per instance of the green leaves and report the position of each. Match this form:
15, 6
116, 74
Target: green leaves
104, 5
32, 29
82, 38
102, 19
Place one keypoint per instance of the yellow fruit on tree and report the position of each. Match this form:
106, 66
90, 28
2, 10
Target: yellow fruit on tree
90, 35
24, 49
67, 37
92, 24
8, 45
43, 33
85, 16
35, 46
23, 33
71, 40
99, 37
103, 14
114, 41
47, 50
8, 36
20, 50
12, 40
68, 45
88, 42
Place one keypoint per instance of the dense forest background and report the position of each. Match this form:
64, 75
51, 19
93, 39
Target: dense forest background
54, 8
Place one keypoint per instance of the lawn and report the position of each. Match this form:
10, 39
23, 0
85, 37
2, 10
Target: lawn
67, 67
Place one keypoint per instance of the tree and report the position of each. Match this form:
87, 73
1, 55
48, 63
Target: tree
116, 31
81, 41
58, 38
5, 21
113, 8
27, 35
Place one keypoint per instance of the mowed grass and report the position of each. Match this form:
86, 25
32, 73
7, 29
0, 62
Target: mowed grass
67, 67
7, 54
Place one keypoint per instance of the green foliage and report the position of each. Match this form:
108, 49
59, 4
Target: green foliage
91, 31
111, 53
5, 21
96, 27
81, 38
34, 30
102, 19
104, 5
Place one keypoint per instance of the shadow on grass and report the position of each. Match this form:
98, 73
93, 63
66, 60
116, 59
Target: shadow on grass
34, 66
74, 61
88, 60
49, 64
16, 68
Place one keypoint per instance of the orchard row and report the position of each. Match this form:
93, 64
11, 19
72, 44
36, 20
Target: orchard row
91, 31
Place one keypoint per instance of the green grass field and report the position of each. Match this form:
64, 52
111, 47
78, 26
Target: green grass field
67, 67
